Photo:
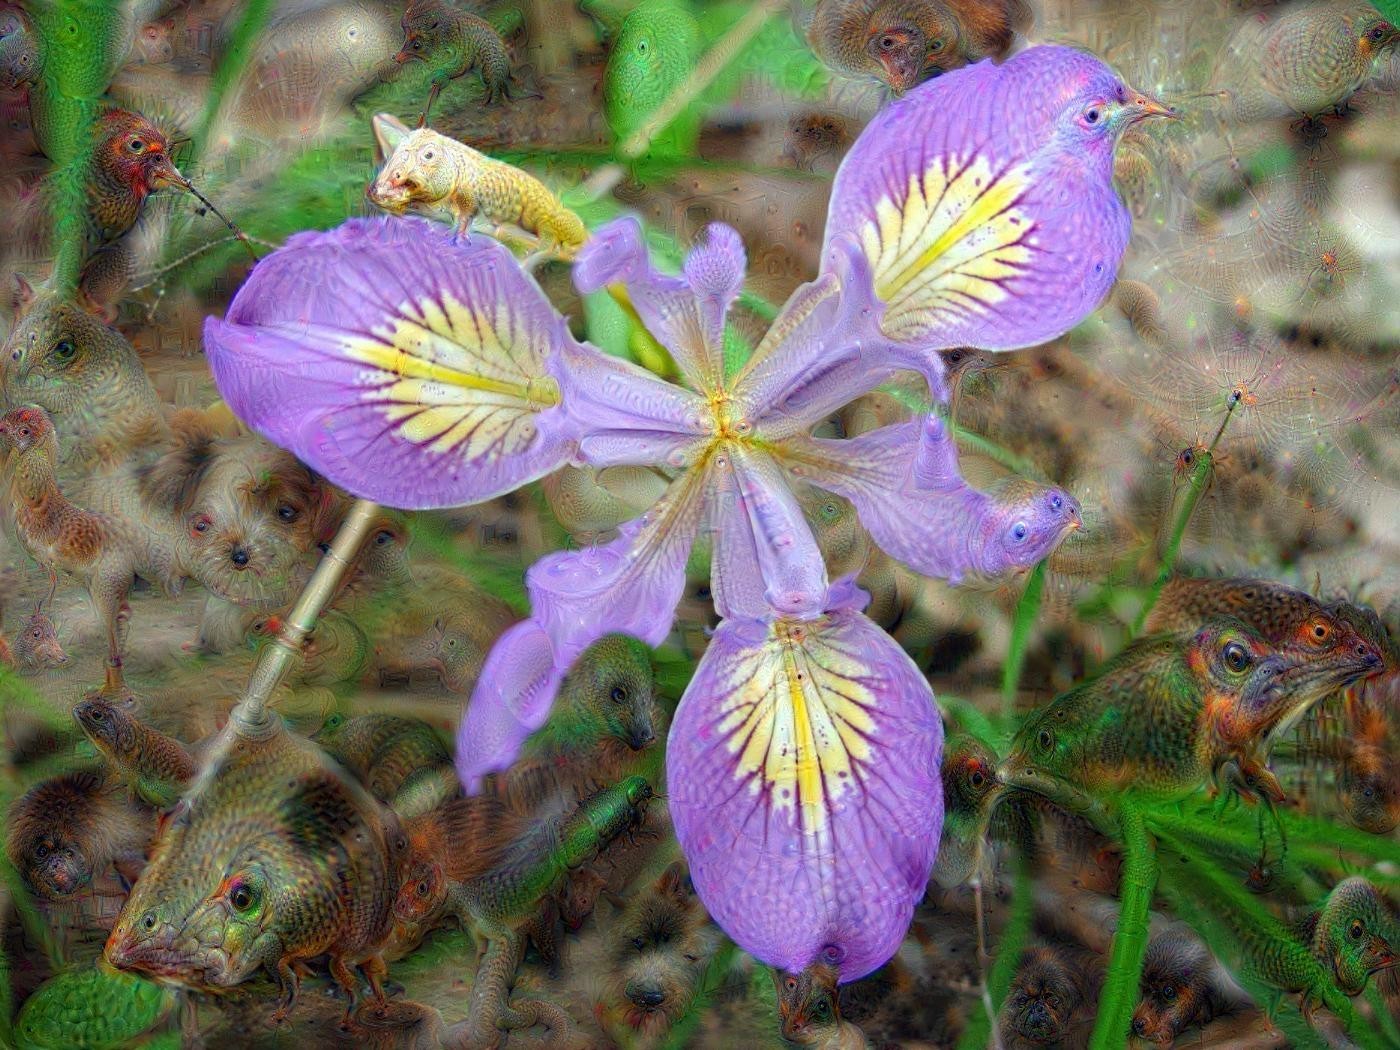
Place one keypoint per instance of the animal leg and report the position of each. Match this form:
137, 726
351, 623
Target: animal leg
432, 97
345, 977
491, 992
375, 971
290, 984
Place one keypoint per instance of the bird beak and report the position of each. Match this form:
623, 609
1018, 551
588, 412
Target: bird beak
166, 174
1141, 107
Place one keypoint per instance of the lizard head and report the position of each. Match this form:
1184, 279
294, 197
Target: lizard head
111, 728
1355, 934
417, 172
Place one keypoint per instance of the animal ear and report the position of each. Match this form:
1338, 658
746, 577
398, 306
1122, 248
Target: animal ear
675, 882
172, 481
22, 296
389, 131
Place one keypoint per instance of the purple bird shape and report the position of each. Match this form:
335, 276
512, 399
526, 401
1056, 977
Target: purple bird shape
803, 761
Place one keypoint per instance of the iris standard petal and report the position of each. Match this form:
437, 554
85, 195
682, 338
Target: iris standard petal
905, 484
629, 586
823, 351
766, 561
686, 313
986, 223
511, 700
804, 787
407, 368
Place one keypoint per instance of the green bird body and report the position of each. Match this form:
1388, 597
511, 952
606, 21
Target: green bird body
93, 1008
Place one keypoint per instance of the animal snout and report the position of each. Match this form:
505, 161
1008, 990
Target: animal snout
1139, 1026
239, 557
640, 738
1037, 1016
648, 996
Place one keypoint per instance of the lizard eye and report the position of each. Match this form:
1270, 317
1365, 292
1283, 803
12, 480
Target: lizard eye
619, 694
1236, 657
978, 778
63, 351
381, 538
428, 154
242, 897
1356, 930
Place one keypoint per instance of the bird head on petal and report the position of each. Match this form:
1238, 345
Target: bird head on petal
984, 202
1033, 520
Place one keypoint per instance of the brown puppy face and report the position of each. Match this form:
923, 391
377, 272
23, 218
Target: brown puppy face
250, 522
1044, 995
657, 951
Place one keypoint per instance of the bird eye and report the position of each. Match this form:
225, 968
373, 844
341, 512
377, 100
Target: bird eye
136, 145
1320, 630
1376, 33
937, 46
978, 778
619, 694
1019, 531
287, 512
1236, 657
1045, 740
1356, 930
790, 984
1092, 116
1056, 502
242, 897
383, 537
639, 943
428, 154
63, 351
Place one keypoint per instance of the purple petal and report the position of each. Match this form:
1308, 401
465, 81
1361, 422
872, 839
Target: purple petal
630, 416
822, 351
511, 700
804, 788
408, 368
905, 484
986, 211
766, 560
629, 586
686, 314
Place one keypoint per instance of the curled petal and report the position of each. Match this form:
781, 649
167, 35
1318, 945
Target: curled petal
766, 560
629, 586
686, 314
408, 368
627, 415
905, 484
804, 787
987, 221
511, 700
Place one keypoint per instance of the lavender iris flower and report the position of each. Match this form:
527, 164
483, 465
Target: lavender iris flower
803, 762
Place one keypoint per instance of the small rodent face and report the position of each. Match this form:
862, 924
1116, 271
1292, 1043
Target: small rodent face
901, 49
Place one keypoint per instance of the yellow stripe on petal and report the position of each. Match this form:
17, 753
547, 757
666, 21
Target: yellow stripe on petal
948, 241
457, 379
797, 721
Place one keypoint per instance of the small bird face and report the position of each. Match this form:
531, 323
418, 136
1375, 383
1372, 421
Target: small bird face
24, 428
901, 49
969, 774
423, 31
1097, 114
136, 151
1374, 36
1036, 522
